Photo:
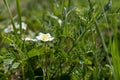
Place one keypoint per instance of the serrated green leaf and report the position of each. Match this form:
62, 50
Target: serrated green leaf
35, 52
8, 61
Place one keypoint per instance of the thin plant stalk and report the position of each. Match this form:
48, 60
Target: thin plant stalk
19, 15
12, 20
103, 42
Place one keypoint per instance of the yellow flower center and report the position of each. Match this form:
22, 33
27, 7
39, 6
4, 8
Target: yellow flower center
44, 37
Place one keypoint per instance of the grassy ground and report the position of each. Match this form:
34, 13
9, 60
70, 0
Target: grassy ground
80, 40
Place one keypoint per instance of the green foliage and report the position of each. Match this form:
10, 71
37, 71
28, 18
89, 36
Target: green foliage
85, 45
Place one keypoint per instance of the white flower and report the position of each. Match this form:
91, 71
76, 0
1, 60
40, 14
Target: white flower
10, 27
44, 37
24, 26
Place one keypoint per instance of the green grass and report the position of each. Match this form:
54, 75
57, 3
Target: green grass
85, 46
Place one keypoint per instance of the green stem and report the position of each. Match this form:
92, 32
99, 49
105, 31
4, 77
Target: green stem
46, 64
12, 20
103, 42
19, 15
23, 73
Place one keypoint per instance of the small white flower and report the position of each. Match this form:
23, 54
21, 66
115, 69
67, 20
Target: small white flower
10, 27
24, 26
44, 37
17, 25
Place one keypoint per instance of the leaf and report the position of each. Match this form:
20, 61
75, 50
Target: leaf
90, 67
15, 65
87, 61
8, 61
35, 52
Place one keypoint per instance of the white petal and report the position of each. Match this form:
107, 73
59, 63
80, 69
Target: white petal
7, 30
39, 37
41, 33
17, 25
50, 39
48, 35
18, 32
24, 26
29, 39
